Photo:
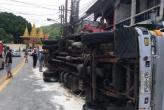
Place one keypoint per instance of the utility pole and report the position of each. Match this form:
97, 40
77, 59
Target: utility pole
61, 9
74, 17
66, 11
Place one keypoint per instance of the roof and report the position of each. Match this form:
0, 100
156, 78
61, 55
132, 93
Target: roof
104, 7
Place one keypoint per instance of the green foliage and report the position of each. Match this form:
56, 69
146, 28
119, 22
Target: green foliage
14, 25
6, 38
52, 30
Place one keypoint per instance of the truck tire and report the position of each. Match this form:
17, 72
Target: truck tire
69, 81
46, 79
65, 79
49, 47
49, 42
61, 77
50, 76
90, 107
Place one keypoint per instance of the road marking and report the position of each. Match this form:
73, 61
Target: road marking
4, 77
15, 71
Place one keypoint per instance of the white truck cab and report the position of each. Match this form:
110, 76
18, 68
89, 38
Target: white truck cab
151, 61
145, 69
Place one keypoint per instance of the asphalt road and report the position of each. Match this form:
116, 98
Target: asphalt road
27, 91
16, 60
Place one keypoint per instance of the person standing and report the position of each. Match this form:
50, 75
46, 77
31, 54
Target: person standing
26, 56
8, 62
41, 58
37, 51
5, 50
34, 55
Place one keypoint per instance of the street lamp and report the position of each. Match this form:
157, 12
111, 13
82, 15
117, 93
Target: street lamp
49, 19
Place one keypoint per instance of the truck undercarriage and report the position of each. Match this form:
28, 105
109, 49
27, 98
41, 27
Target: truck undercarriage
103, 67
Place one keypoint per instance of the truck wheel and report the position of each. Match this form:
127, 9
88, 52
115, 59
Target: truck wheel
90, 107
50, 76
46, 80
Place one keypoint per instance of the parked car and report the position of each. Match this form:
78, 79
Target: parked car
16, 53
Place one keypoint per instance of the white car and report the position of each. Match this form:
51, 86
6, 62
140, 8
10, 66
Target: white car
16, 53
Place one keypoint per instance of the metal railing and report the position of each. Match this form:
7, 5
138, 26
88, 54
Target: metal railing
146, 15
125, 22
140, 17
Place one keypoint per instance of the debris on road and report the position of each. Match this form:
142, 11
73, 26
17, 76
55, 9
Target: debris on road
59, 95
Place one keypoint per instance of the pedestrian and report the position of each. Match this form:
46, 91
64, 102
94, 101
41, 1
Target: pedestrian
26, 56
5, 50
19, 49
41, 58
37, 51
34, 55
8, 62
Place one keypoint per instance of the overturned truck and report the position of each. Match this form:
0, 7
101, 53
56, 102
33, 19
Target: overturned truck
113, 70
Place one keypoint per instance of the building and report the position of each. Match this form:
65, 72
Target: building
127, 12
33, 37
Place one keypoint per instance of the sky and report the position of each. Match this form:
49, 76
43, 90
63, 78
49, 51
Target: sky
37, 11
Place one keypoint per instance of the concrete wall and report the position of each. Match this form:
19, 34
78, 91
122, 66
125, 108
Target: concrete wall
122, 12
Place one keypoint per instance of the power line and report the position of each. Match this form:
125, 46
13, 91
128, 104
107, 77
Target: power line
1, 3
32, 4
54, 20
23, 13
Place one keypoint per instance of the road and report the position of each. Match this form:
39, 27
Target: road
16, 60
27, 91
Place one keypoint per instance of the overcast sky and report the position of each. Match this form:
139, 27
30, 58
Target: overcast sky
37, 11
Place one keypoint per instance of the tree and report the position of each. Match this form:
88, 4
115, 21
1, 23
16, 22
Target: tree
6, 38
53, 30
14, 25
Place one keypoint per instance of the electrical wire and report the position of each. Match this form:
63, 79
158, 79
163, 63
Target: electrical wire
22, 5
23, 13
40, 6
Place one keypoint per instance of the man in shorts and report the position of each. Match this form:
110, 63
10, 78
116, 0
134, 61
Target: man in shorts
8, 61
